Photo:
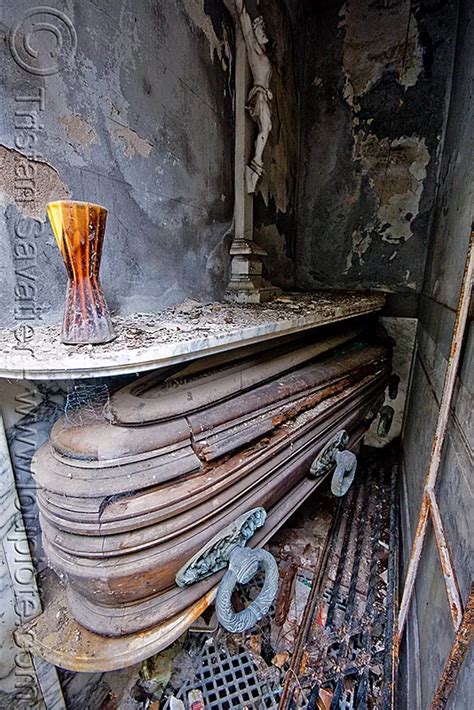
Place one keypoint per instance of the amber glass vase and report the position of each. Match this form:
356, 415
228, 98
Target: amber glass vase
79, 228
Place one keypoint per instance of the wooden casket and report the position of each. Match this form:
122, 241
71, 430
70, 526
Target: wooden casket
142, 508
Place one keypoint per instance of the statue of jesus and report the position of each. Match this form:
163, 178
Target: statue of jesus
260, 96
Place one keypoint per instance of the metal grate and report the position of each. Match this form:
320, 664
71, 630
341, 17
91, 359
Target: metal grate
351, 646
229, 680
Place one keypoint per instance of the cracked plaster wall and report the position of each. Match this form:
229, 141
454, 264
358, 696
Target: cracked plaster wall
139, 119
374, 102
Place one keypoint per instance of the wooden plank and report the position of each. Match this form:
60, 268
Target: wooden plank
180, 394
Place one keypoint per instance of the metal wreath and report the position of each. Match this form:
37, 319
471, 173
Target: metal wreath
243, 565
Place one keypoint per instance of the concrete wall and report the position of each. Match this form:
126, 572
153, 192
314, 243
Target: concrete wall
445, 265
373, 108
137, 117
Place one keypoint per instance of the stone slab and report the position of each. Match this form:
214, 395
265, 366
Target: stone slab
178, 334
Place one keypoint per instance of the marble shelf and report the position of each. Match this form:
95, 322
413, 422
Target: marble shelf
177, 334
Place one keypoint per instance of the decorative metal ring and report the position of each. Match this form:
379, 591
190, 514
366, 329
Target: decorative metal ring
393, 383
333, 457
374, 409
243, 565
343, 476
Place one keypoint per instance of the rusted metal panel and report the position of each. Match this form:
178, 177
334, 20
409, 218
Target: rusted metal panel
464, 636
449, 574
344, 643
462, 313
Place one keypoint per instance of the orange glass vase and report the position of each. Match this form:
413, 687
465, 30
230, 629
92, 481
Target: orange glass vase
79, 229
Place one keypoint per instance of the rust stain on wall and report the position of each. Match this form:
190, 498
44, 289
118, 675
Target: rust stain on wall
29, 184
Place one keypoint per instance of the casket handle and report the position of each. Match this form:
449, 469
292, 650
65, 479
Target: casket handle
343, 476
244, 563
334, 457
385, 420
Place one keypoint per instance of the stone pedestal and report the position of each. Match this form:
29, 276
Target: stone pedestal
247, 284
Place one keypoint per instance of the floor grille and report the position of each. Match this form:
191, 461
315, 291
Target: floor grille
229, 680
349, 648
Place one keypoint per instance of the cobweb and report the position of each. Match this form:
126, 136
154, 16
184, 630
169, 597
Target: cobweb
87, 403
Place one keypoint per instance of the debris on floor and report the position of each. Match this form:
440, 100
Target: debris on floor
328, 641
347, 649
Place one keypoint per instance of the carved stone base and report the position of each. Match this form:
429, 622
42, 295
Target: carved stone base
247, 292
247, 284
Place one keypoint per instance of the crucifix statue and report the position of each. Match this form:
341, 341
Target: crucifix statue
253, 97
260, 96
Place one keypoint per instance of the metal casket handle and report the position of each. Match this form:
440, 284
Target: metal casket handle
244, 563
343, 476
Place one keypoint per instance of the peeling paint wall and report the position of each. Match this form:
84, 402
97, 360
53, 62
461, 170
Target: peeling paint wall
375, 90
48, 185
138, 118
393, 45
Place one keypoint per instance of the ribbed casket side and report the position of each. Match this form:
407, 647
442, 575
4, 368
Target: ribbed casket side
125, 503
